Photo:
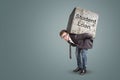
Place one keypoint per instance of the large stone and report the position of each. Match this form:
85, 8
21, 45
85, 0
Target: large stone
82, 21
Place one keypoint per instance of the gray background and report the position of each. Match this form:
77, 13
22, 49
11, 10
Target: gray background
31, 49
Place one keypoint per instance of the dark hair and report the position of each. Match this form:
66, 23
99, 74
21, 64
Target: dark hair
62, 31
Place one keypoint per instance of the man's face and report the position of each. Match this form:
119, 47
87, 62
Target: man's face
65, 36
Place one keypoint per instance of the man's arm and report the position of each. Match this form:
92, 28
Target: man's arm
87, 36
84, 36
71, 44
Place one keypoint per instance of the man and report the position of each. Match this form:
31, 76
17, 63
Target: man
82, 42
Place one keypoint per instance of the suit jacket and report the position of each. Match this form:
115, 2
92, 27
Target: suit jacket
83, 41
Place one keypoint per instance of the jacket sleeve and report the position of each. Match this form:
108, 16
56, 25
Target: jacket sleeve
84, 36
87, 36
72, 44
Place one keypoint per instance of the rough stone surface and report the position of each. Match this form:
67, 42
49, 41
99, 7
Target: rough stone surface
82, 21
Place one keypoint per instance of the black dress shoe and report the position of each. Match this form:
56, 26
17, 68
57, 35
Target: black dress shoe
83, 71
76, 70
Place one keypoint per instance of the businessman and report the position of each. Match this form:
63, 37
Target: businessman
82, 42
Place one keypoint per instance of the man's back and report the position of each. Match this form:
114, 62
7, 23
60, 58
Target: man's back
82, 40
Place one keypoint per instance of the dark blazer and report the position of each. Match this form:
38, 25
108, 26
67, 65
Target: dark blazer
84, 41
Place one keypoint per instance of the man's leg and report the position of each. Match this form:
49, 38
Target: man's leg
78, 58
83, 60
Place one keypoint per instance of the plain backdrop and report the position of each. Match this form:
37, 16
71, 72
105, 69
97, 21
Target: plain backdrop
31, 49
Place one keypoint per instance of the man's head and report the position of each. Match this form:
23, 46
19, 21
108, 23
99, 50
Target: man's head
64, 34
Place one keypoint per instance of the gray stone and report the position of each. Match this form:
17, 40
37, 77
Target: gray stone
82, 21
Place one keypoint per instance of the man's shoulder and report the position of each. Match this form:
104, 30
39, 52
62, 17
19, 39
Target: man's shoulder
84, 34
72, 34
77, 35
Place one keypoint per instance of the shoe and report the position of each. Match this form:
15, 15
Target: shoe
77, 69
83, 71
